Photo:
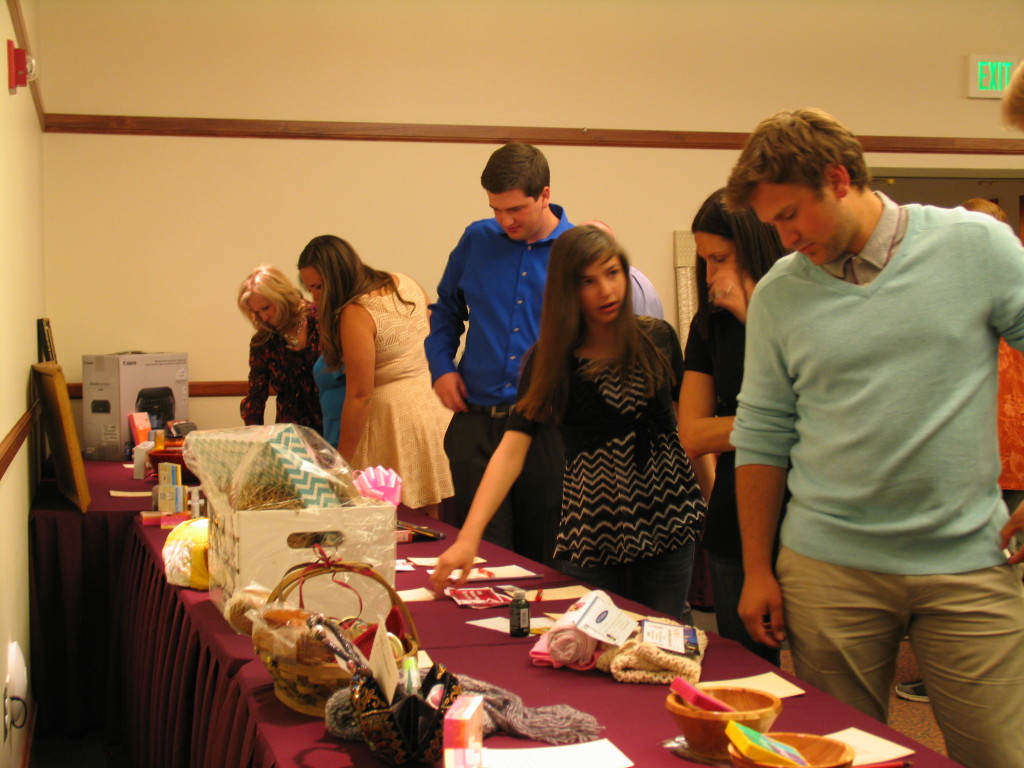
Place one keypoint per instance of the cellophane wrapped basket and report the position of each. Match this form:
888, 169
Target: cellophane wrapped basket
304, 670
275, 493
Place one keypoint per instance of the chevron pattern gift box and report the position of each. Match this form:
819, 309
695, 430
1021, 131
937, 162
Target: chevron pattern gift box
286, 460
273, 456
266, 484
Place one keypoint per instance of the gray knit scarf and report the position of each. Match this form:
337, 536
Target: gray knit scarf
503, 711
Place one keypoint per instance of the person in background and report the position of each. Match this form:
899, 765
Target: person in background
877, 405
494, 281
1010, 421
1013, 100
282, 351
734, 251
645, 296
375, 322
1012, 403
981, 205
608, 379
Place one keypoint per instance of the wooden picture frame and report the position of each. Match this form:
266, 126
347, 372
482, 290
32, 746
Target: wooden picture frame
52, 388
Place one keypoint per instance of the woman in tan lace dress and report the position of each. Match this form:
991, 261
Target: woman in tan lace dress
375, 323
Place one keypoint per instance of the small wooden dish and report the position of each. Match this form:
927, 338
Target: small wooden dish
818, 751
704, 730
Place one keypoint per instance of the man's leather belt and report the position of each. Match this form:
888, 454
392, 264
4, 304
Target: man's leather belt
499, 411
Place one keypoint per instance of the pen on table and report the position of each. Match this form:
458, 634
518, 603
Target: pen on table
889, 764
539, 596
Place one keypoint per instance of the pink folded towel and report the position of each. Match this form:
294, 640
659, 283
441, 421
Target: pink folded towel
566, 646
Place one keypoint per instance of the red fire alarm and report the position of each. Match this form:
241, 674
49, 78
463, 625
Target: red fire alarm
17, 67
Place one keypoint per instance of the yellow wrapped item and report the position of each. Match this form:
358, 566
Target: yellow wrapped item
186, 552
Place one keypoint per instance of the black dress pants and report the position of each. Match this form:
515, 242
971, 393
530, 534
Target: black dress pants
527, 520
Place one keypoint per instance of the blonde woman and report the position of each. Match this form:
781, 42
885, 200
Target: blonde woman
283, 349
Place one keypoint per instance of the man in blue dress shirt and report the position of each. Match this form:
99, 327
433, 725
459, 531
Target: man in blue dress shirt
494, 283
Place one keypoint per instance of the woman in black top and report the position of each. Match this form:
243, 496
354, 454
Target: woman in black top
735, 250
631, 508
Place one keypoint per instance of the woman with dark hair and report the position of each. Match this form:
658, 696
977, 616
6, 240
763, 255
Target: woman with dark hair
282, 350
735, 250
375, 323
631, 508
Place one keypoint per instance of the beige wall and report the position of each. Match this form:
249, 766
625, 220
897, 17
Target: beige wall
147, 238
888, 67
21, 302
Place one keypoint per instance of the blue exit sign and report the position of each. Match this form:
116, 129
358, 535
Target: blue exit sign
987, 76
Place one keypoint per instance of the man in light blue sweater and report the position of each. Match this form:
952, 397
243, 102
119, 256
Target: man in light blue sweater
871, 375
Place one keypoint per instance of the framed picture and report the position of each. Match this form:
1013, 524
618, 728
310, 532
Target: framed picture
52, 388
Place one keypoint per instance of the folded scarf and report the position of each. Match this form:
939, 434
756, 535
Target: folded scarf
503, 711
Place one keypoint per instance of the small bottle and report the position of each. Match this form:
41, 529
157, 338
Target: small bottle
194, 502
519, 615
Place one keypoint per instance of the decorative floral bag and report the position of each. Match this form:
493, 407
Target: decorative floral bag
411, 728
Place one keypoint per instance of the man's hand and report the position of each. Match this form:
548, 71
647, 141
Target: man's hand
1014, 526
761, 610
451, 390
459, 555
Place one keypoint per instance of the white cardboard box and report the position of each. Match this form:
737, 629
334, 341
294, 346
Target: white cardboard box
114, 386
258, 545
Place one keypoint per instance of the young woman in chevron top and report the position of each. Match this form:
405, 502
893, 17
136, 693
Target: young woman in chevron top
631, 508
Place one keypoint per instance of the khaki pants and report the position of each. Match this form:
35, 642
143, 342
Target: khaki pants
845, 625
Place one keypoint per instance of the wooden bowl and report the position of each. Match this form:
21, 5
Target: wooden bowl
818, 751
704, 730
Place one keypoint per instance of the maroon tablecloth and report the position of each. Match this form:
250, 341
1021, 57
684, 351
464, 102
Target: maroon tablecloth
186, 690
74, 563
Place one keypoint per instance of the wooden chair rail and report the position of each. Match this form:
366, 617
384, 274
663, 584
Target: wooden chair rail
14, 439
486, 134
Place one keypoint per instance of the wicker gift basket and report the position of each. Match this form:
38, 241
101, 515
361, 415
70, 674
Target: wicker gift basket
304, 670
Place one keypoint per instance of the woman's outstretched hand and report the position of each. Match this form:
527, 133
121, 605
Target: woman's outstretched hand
461, 554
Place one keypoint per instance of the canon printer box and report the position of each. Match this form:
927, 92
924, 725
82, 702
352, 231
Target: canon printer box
114, 386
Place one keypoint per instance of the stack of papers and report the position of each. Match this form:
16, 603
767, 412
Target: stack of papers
869, 749
499, 573
593, 754
769, 682
430, 562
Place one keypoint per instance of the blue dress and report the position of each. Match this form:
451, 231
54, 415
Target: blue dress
332, 395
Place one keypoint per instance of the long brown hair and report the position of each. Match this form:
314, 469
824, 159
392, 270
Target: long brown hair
562, 329
345, 278
757, 246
